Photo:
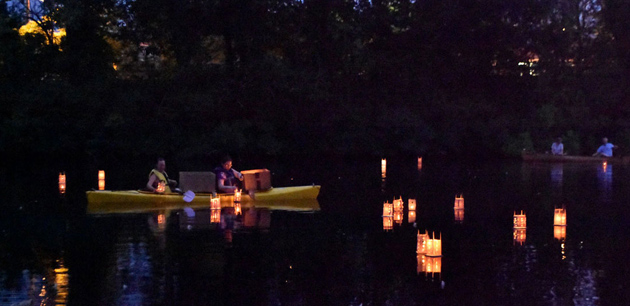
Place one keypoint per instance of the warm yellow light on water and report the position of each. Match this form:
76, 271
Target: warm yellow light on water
62, 183
383, 167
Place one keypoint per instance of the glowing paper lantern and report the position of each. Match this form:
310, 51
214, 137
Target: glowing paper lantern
520, 235
421, 247
412, 204
429, 246
412, 216
161, 187
101, 179
399, 205
459, 202
388, 223
62, 183
398, 216
419, 163
237, 209
520, 221
560, 232
560, 216
215, 215
383, 167
237, 195
388, 209
215, 203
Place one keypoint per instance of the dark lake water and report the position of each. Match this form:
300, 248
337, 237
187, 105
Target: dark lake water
52, 253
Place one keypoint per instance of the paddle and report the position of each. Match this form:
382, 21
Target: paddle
189, 196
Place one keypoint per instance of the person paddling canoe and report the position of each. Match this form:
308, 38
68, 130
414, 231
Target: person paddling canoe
158, 175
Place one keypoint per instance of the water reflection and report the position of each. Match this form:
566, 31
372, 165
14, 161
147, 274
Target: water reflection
520, 235
605, 178
388, 223
557, 174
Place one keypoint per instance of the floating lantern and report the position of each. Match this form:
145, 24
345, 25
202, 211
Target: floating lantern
419, 163
215, 215
161, 187
520, 234
101, 179
459, 202
429, 246
428, 264
520, 221
237, 209
459, 215
215, 203
161, 221
560, 232
62, 182
560, 217
422, 239
237, 195
388, 223
388, 209
398, 216
604, 166
412, 204
383, 167
412, 216
399, 205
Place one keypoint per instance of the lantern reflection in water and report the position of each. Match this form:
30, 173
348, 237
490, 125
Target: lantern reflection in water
237, 209
459, 215
412, 204
101, 179
388, 223
62, 182
398, 216
215, 215
61, 283
215, 203
560, 232
412, 216
427, 264
419, 163
388, 209
520, 235
560, 216
520, 221
383, 167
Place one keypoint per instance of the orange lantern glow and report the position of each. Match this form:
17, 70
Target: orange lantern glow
399, 205
237, 209
383, 167
398, 216
161, 187
520, 235
161, 221
215, 203
388, 209
459, 202
388, 223
215, 215
428, 264
62, 183
237, 195
412, 204
560, 232
419, 163
520, 221
604, 166
459, 215
412, 216
421, 246
560, 216
101, 179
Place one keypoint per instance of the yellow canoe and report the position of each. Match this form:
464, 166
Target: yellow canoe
298, 198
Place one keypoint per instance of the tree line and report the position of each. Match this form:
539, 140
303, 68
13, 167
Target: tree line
188, 78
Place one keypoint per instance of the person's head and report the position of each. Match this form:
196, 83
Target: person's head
226, 162
559, 140
604, 140
161, 164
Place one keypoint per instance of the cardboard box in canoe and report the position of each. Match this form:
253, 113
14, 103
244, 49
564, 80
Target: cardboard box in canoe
257, 179
205, 182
